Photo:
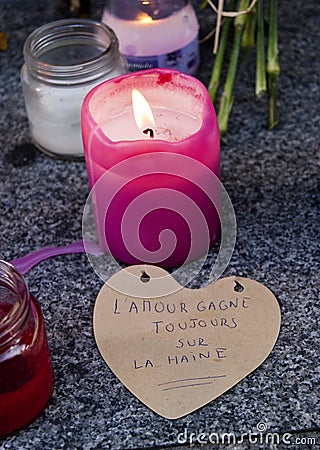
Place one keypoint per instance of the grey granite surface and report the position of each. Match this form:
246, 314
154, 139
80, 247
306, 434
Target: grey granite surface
273, 181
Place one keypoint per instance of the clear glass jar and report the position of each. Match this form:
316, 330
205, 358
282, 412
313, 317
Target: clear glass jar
63, 61
26, 376
155, 33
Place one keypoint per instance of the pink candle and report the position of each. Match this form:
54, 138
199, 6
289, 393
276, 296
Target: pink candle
154, 180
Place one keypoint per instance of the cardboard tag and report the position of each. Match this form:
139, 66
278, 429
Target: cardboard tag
177, 349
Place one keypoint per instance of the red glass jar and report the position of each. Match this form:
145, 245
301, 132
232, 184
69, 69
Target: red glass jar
26, 376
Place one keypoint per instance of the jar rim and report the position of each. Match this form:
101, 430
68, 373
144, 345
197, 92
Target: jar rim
130, 10
65, 33
12, 321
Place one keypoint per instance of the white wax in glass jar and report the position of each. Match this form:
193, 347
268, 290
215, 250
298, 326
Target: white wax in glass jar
54, 117
64, 60
149, 43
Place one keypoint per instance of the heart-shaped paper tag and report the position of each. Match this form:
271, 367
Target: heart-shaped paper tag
177, 349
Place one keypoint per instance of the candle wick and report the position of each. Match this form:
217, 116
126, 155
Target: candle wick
149, 131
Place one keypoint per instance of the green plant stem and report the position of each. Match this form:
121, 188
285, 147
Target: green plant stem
203, 5
226, 100
261, 81
273, 67
218, 62
249, 34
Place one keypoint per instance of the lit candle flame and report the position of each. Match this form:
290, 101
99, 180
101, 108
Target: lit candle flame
144, 17
142, 112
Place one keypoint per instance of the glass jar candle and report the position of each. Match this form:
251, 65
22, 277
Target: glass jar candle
155, 33
26, 376
63, 61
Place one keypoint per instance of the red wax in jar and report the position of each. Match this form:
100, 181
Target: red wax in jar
26, 376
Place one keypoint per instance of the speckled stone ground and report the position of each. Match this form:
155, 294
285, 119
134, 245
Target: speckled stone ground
273, 181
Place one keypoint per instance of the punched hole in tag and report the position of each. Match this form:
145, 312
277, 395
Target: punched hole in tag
238, 287
145, 278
